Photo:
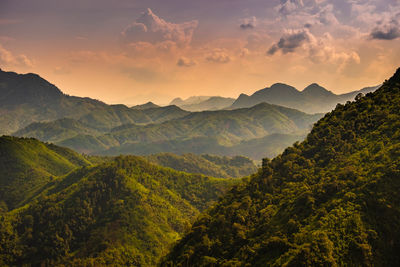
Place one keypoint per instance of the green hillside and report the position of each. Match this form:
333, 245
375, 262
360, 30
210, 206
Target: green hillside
331, 200
124, 211
211, 165
26, 165
214, 132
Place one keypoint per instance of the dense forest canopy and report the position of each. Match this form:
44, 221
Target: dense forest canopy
61, 208
331, 200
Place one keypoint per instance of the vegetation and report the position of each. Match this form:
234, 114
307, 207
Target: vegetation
27, 165
122, 211
331, 200
229, 132
210, 165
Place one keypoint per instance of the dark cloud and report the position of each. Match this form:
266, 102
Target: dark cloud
388, 31
186, 62
246, 26
248, 23
290, 41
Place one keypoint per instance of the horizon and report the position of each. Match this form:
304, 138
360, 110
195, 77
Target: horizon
135, 52
191, 96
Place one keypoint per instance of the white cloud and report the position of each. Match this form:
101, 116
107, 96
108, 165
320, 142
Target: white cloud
8, 59
219, 56
153, 29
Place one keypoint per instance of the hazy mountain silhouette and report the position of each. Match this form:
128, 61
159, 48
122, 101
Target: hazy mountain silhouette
313, 99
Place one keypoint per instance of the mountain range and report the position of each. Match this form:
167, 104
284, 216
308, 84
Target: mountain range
331, 200
313, 99
216, 132
202, 103
28, 98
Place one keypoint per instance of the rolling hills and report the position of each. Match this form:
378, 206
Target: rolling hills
225, 132
331, 200
80, 211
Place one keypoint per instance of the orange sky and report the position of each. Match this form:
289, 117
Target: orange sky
127, 53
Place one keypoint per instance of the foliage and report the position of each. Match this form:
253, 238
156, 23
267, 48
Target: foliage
331, 200
122, 211
27, 165
211, 165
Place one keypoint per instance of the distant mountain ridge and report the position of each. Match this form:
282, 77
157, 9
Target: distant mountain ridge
145, 106
28, 98
313, 99
224, 132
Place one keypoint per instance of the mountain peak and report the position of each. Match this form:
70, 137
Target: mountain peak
316, 89
396, 77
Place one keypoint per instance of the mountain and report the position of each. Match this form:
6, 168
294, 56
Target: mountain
212, 132
122, 212
213, 103
210, 165
189, 101
313, 99
28, 98
331, 200
27, 165
145, 106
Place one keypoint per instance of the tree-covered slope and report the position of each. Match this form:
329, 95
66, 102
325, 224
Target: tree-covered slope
122, 212
331, 200
26, 165
198, 131
210, 165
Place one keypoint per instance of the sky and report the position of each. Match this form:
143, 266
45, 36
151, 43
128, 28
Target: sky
134, 51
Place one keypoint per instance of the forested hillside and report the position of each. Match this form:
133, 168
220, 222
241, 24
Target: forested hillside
27, 165
227, 132
66, 209
331, 200
211, 165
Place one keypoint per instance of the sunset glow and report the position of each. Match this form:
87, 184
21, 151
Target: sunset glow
130, 52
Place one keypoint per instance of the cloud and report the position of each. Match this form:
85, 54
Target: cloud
186, 62
61, 70
291, 40
287, 7
144, 74
9, 59
387, 31
248, 23
153, 29
219, 56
